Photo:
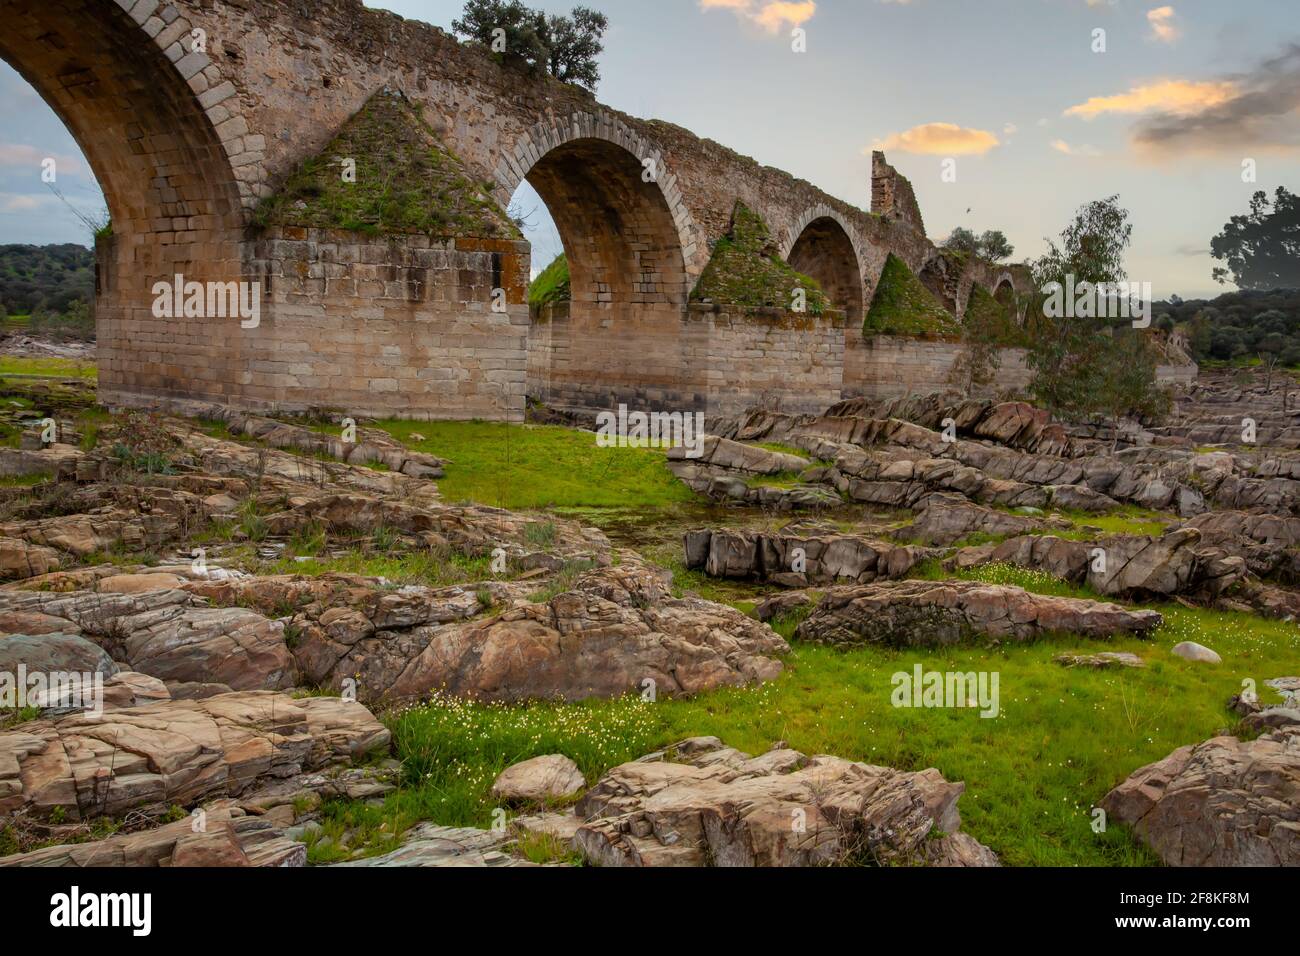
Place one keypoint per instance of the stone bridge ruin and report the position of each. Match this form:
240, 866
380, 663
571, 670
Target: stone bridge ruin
194, 114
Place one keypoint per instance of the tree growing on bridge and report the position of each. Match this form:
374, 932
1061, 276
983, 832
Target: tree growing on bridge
992, 245
566, 47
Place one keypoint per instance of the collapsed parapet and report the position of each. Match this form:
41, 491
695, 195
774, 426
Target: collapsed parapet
892, 195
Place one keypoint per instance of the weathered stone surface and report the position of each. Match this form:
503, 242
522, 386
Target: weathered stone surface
539, 780
944, 519
171, 635
1174, 563
797, 557
19, 559
703, 804
228, 838
177, 752
934, 614
428, 845
51, 652
1224, 802
618, 628
1100, 661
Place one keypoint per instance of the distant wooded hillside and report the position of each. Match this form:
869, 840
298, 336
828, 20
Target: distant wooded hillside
45, 278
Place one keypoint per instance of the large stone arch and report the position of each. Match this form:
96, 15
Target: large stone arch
163, 133
627, 239
823, 245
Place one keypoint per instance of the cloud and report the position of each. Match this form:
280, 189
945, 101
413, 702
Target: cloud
18, 202
1263, 114
1061, 146
22, 155
1163, 28
944, 139
1178, 97
772, 15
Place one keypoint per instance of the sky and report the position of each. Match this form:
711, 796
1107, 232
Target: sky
1029, 110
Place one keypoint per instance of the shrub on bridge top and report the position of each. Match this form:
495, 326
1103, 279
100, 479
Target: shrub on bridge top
902, 305
745, 270
405, 181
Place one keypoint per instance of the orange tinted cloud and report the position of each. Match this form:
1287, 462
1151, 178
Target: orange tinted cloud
943, 139
771, 15
1162, 24
1180, 97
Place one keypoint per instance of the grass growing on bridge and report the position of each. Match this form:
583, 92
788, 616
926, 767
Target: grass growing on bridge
406, 182
904, 306
744, 272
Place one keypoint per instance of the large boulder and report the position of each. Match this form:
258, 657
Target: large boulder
539, 780
934, 614
703, 804
1225, 802
796, 557
176, 752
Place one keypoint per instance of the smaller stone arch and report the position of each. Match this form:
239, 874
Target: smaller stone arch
514, 165
824, 246
823, 211
1007, 295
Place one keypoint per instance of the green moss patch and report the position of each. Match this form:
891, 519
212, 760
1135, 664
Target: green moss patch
551, 284
903, 306
745, 271
995, 321
406, 182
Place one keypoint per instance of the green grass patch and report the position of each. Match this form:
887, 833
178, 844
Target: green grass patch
541, 466
48, 368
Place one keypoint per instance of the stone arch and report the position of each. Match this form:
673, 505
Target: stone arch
823, 246
549, 156
162, 132
936, 276
1006, 294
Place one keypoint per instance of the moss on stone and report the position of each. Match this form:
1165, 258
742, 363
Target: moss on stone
745, 270
551, 284
406, 182
995, 322
904, 306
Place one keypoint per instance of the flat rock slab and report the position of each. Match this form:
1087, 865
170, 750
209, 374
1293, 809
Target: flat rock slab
1102, 661
934, 614
227, 838
428, 845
